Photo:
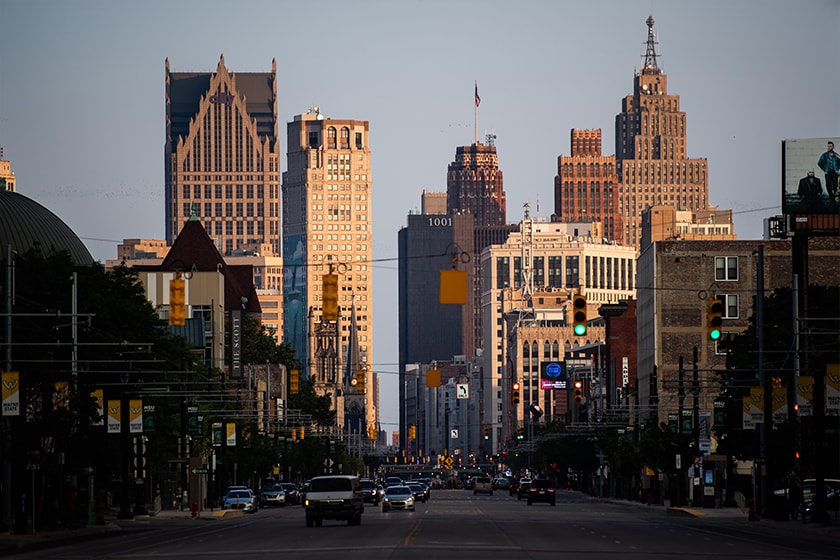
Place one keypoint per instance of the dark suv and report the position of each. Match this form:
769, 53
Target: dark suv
541, 490
371, 491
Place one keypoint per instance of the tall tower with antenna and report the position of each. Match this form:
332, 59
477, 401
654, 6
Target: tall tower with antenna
650, 149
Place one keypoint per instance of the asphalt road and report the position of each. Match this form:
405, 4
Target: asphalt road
458, 525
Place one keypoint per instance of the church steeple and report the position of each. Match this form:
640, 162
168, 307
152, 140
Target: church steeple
650, 66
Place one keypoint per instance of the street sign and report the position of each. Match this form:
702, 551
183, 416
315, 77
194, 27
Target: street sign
198, 471
328, 462
453, 433
462, 391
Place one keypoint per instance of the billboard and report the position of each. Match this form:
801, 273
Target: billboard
553, 375
810, 169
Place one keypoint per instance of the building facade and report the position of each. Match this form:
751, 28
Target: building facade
7, 176
475, 185
222, 156
666, 222
585, 187
527, 284
674, 280
327, 229
650, 150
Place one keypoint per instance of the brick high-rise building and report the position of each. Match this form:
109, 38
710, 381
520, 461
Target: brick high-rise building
585, 185
327, 225
475, 185
650, 150
222, 156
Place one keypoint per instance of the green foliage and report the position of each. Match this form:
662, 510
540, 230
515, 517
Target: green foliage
309, 402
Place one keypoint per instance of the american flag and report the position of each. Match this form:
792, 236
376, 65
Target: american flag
477, 98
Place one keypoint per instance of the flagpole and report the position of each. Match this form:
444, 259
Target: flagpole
475, 113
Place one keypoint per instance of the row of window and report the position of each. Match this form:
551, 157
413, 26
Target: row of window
229, 191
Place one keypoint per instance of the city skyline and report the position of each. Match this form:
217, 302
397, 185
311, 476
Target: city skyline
82, 99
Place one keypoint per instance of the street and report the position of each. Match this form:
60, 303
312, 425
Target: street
457, 524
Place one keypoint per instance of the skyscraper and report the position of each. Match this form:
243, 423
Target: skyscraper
585, 187
475, 185
327, 229
222, 157
650, 150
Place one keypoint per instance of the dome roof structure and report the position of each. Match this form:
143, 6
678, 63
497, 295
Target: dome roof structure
24, 224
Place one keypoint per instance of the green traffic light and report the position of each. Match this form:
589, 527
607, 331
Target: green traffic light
580, 330
714, 334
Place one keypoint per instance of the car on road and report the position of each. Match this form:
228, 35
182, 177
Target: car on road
371, 491
522, 488
501, 483
338, 497
398, 497
541, 490
482, 485
241, 498
292, 493
418, 490
393, 481
273, 495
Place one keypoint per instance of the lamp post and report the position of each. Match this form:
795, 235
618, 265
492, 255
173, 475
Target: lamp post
125, 450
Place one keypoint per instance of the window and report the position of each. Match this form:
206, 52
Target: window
730, 308
726, 268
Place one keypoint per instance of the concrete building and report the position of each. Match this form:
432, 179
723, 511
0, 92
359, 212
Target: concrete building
666, 222
674, 280
585, 187
222, 156
327, 195
527, 287
651, 153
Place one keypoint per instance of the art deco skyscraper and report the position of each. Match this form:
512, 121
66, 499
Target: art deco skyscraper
475, 185
222, 157
650, 150
327, 227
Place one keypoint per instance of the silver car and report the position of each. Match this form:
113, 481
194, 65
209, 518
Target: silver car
273, 495
242, 499
398, 497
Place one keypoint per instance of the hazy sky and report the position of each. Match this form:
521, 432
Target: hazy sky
82, 98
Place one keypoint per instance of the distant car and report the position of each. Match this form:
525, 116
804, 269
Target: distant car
522, 489
273, 495
334, 497
292, 493
501, 483
541, 490
393, 481
482, 485
371, 491
419, 491
242, 499
398, 497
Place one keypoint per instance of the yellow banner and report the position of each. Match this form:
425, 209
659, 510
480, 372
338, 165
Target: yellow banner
11, 393
805, 395
779, 405
832, 389
135, 416
61, 395
230, 434
99, 396
114, 416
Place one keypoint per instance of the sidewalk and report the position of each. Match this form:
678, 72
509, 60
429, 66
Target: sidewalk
12, 543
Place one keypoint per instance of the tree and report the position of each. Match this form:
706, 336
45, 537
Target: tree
309, 402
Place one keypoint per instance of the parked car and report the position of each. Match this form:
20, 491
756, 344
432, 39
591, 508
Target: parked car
541, 490
273, 495
398, 497
241, 498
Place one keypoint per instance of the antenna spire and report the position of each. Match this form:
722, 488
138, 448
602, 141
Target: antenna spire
650, 51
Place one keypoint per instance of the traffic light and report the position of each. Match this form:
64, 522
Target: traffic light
177, 301
360, 381
486, 432
516, 393
714, 317
330, 289
412, 432
294, 381
579, 314
520, 433
578, 390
